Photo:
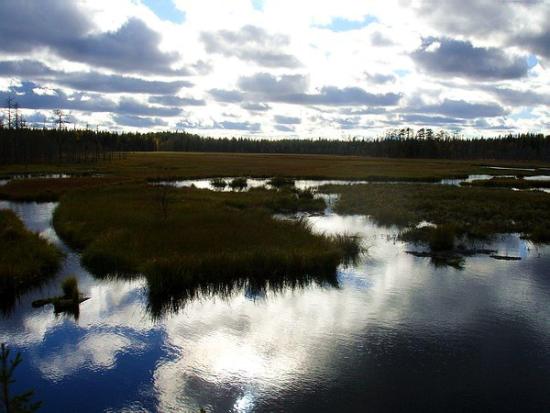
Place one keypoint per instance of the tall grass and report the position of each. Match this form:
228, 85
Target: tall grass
208, 236
26, 260
458, 211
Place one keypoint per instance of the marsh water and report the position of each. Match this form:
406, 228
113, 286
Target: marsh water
392, 332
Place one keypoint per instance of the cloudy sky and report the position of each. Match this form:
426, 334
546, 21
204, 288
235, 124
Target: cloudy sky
331, 68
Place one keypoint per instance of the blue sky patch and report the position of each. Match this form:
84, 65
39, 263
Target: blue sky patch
532, 61
258, 5
165, 10
339, 24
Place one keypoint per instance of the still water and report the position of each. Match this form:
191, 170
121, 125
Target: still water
394, 333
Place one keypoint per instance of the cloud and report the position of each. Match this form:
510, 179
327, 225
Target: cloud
380, 78
291, 89
287, 120
448, 57
176, 101
538, 42
460, 109
138, 121
227, 96
284, 128
430, 120
379, 40
251, 44
64, 29
244, 126
516, 97
89, 81
255, 107
28, 97
267, 84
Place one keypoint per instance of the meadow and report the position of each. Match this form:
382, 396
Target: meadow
185, 165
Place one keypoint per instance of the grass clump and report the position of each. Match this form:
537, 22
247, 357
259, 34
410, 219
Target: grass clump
238, 184
208, 236
281, 182
474, 212
519, 182
218, 183
26, 260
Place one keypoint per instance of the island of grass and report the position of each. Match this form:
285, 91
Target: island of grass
510, 182
26, 260
455, 212
181, 237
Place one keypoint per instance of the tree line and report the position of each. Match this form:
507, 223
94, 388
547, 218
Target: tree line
26, 145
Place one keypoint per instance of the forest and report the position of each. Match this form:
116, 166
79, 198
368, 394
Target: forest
23, 145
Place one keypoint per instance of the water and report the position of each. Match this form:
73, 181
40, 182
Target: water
395, 334
307, 184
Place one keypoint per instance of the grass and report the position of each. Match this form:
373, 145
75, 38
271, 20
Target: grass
166, 165
519, 183
207, 237
50, 189
26, 260
463, 211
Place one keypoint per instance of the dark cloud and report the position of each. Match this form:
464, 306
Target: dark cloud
467, 17
138, 121
251, 44
538, 43
255, 107
430, 120
347, 123
63, 28
363, 111
89, 81
228, 96
176, 101
448, 57
284, 128
287, 120
460, 109
515, 97
380, 78
243, 126
28, 97
267, 84
291, 89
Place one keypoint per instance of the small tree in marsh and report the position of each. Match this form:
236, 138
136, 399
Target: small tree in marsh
20, 403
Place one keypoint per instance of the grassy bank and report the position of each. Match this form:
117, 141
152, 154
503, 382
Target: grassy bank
519, 183
184, 236
152, 165
461, 211
26, 260
50, 189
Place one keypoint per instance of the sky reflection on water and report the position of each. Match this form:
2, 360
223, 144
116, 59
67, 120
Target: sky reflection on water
396, 333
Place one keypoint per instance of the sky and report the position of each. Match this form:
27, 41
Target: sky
280, 68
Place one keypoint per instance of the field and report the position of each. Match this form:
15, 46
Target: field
152, 165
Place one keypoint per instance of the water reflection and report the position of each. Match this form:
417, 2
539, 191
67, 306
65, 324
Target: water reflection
394, 327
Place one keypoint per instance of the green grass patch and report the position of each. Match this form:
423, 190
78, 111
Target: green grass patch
520, 183
457, 211
206, 236
26, 260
